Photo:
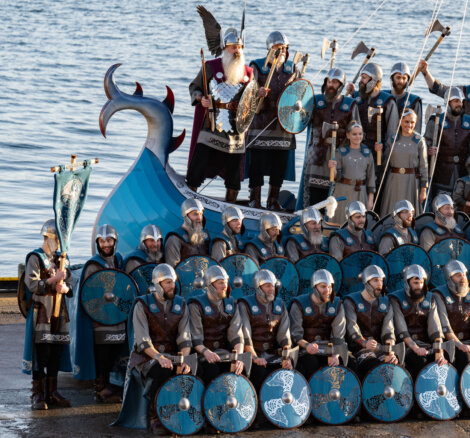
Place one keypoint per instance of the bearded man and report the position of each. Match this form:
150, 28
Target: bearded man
444, 224
402, 232
189, 239
229, 241
218, 151
148, 251
310, 240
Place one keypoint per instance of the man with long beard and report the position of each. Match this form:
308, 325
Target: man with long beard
229, 241
402, 232
189, 239
271, 148
218, 152
453, 306
355, 237
330, 106
454, 135
148, 251
311, 239
416, 320
444, 224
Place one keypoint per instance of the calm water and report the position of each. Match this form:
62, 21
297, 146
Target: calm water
53, 56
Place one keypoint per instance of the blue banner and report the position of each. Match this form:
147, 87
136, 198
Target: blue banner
70, 192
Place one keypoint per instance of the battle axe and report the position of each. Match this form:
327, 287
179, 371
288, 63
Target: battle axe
362, 48
290, 354
340, 349
333, 45
370, 113
430, 110
232, 357
333, 127
448, 346
398, 349
210, 111
270, 74
179, 360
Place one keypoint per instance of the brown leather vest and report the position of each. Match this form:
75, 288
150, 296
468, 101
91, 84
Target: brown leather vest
307, 250
317, 324
416, 320
188, 250
370, 320
458, 313
356, 244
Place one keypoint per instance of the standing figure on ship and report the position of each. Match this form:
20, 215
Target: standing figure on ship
317, 319
355, 237
267, 243
216, 326
218, 150
330, 106
402, 232
408, 177
399, 78
444, 224
189, 239
47, 338
148, 251
100, 347
272, 152
229, 241
454, 134
310, 240
354, 171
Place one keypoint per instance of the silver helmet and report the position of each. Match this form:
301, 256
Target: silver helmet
233, 37
212, 274
399, 207
375, 72
307, 215
230, 214
266, 221
322, 276
150, 232
370, 272
188, 206
453, 93
451, 268
103, 232
162, 272
48, 229
400, 67
354, 207
438, 202
263, 276
413, 271
335, 73
276, 37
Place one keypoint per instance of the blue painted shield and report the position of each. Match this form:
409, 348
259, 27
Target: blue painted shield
311, 263
107, 296
285, 399
142, 275
179, 405
443, 251
353, 264
241, 269
387, 392
295, 106
286, 273
230, 403
191, 275
336, 395
465, 385
402, 256
437, 391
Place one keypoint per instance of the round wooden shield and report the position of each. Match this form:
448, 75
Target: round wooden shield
230, 403
247, 106
295, 106
286, 273
142, 275
241, 269
24, 297
402, 256
306, 266
336, 395
107, 296
437, 391
444, 251
191, 275
353, 264
465, 385
179, 405
285, 398
387, 393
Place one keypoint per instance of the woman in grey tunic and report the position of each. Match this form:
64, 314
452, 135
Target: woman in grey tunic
408, 177
355, 176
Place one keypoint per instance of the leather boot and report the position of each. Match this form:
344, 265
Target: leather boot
38, 401
53, 397
273, 199
231, 195
255, 197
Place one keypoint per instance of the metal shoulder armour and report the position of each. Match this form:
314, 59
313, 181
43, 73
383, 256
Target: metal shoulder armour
346, 104
365, 150
382, 99
401, 298
369, 237
252, 304
320, 101
229, 305
466, 121
203, 301
149, 301
358, 301
383, 304
178, 305
278, 306
288, 67
259, 63
325, 245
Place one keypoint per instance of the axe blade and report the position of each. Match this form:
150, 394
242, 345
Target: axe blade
360, 48
327, 127
436, 26
325, 46
371, 111
342, 351
449, 346
291, 353
298, 57
247, 361
399, 350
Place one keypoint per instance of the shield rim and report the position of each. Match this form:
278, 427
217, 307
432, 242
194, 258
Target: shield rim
293, 264
202, 411
23, 304
256, 403
467, 403
412, 398
184, 261
177, 282
322, 253
95, 273
360, 395
238, 254
309, 398
416, 394
279, 99
255, 84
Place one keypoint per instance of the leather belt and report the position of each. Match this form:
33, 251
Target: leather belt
231, 106
455, 159
357, 183
405, 171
